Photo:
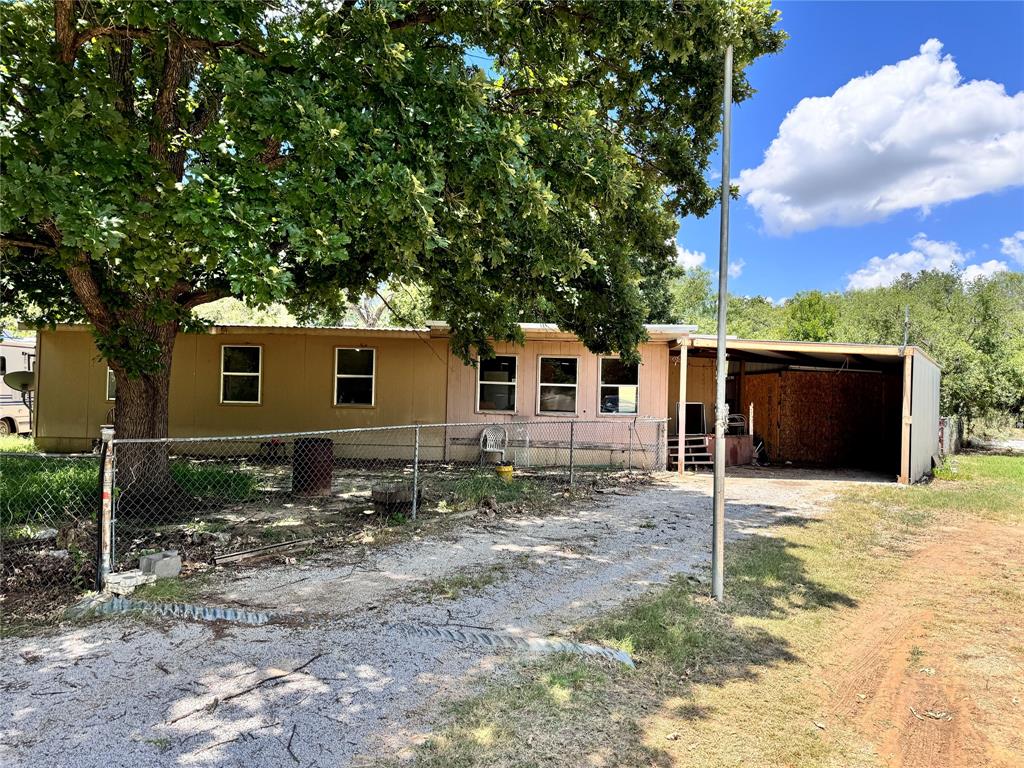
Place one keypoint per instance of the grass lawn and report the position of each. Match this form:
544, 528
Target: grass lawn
743, 684
16, 444
46, 490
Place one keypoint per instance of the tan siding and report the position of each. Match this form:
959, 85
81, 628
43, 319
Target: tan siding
71, 389
463, 381
297, 386
417, 381
700, 384
673, 394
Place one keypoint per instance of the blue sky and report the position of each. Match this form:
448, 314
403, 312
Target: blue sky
912, 167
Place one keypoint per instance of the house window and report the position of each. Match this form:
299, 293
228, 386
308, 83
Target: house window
241, 370
496, 385
111, 385
353, 376
556, 389
619, 386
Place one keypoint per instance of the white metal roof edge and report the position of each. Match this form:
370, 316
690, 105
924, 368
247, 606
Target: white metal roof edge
656, 331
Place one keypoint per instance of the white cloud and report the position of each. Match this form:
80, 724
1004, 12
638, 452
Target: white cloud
986, 269
924, 254
689, 259
911, 135
1013, 246
736, 267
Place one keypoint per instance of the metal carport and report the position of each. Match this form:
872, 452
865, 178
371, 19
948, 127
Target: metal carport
825, 402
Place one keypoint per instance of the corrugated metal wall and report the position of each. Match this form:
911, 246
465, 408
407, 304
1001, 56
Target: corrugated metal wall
924, 416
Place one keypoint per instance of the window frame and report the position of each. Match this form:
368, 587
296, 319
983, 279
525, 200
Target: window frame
540, 362
258, 375
109, 380
600, 384
514, 384
372, 377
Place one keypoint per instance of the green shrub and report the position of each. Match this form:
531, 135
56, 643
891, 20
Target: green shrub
16, 444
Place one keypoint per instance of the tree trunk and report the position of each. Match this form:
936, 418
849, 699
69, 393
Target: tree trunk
140, 412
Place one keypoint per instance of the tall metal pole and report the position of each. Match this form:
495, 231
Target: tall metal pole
721, 413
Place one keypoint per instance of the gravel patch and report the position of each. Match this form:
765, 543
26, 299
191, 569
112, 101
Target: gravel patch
332, 683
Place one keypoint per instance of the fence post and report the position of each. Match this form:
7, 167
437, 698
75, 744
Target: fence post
416, 474
572, 452
629, 460
106, 537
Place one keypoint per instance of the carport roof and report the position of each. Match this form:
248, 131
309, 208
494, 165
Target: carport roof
819, 353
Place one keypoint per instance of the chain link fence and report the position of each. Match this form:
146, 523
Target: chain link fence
49, 507
225, 499
220, 500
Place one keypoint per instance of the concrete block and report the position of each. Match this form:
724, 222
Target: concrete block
125, 582
168, 567
162, 565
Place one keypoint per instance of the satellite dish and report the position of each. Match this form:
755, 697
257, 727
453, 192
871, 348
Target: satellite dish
23, 381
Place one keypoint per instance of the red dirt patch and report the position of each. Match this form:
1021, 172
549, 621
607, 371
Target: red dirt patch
929, 669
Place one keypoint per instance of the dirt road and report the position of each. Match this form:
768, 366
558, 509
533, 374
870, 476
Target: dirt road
930, 670
331, 682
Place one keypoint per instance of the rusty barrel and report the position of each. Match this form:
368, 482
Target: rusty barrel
312, 466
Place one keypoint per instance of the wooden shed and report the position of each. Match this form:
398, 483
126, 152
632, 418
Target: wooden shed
865, 406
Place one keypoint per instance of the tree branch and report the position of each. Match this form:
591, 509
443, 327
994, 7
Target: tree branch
64, 27
120, 60
199, 44
205, 113
422, 15
84, 284
271, 156
113, 30
192, 299
71, 42
18, 242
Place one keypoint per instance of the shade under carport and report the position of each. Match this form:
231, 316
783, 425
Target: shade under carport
872, 406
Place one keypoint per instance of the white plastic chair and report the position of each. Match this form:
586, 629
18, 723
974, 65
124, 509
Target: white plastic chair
493, 439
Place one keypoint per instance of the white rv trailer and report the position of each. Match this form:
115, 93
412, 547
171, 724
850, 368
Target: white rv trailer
15, 355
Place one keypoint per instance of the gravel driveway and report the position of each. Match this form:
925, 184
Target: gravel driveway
331, 682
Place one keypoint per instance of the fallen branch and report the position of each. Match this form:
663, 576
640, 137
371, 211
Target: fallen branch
294, 726
217, 702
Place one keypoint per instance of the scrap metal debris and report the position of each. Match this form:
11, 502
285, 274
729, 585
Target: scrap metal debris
495, 639
269, 549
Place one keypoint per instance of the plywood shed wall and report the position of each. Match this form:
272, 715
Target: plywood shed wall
833, 418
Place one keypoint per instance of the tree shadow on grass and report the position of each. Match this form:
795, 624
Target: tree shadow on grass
679, 638
767, 579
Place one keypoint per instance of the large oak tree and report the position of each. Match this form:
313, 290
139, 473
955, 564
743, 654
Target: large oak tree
512, 156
